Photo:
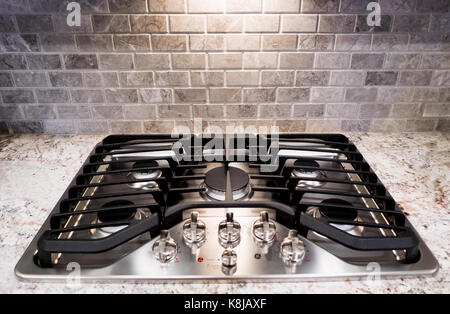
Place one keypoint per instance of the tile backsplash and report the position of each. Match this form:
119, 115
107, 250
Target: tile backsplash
136, 66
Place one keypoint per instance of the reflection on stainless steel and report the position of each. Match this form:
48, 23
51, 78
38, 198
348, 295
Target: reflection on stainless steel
292, 249
194, 230
229, 232
220, 195
165, 249
229, 258
264, 228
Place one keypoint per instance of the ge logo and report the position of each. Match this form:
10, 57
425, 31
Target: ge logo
374, 17
74, 17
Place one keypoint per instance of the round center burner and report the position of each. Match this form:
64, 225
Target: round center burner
308, 173
216, 183
144, 175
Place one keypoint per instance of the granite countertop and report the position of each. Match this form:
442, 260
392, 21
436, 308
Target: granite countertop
35, 171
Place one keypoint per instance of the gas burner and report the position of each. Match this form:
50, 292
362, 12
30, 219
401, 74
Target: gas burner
144, 175
337, 213
307, 173
115, 215
216, 181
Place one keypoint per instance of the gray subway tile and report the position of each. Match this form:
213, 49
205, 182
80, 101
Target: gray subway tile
402, 60
337, 23
12, 62
319, 6
87, 96
65, 79
443, 125
356, 125
80, 61
111, 23
123, 95
194, 95
341, 110
7, 23
327, 94
74, 111
421, 125
414, 78
59, 127
136, 79
16, 96
259, 94
107, 112
308, 110
374, 111
315, 42
381, 78
11, 112
35, 23
40, 112
132, 42
52, 96
411, 23
30, 79
361, 94
406, 111
44, 62
94, 42
58, 42
26, 127
6, 79
332, 60
19, 43
116, 62
367, 60
312, 78
155, 95
353, 42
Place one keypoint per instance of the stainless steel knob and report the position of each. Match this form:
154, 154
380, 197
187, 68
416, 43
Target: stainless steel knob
264, 229
194, 230
229, 232
292, 249
229, 258
165, 248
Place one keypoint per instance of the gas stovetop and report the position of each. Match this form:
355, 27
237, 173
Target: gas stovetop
255, 207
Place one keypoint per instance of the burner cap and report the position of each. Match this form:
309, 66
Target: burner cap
216, 179
338, 213
118, 214
216, 183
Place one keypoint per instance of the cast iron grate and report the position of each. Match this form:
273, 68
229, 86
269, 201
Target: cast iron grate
287, 199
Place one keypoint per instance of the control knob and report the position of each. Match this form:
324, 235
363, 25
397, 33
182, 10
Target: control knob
292, 248
229, 232
194, 230
165, 248
229, 258
264, 229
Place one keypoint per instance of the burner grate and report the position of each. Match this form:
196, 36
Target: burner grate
336, 155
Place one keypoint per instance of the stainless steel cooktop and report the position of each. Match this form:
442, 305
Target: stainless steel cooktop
305, 206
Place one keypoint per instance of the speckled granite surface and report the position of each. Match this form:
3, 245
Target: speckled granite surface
414, 167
